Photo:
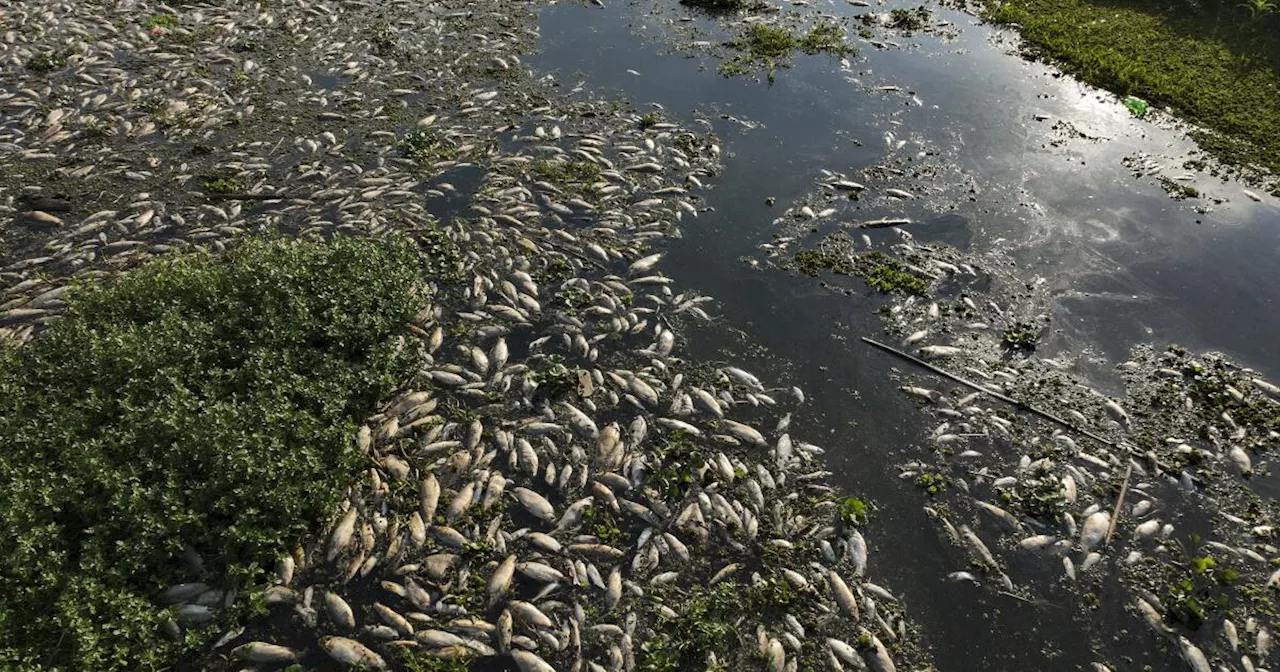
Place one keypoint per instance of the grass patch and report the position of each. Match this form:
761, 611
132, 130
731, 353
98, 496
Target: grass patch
910, 20
1020, 336
47, 61
1177, 190
1216, 66
162, 21
222, 184
880, 271
574, 177
200, 401
425, 148
771, 47
703, 625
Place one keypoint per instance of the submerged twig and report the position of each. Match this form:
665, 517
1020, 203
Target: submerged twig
1008, 400
1020, 404
1115, 513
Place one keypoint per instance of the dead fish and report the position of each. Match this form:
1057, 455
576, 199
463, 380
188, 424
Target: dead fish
500, 580
339, 611
1093, 530
262, 652
535, 504
1194, 656
351, 652
530, 662
341, 535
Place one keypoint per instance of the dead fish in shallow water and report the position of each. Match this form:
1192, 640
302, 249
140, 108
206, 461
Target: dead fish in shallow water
535, 504
353, 653
262, 652
1194, 656
339, 611
1093, 530
530, 662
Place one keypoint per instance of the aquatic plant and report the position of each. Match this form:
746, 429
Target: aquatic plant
222, 184
772, 46
200, 402
1258, 8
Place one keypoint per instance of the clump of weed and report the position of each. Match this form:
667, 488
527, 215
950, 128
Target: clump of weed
1020, 336
880, 271
771, 46
162, 21
854, 511
203, 402
1203, 590
425, 148
222, 184
888, 275
1177, 190
649, 120
47, 61
575, 177
719, 6
703, 625
553, 378
931, 483
909, 20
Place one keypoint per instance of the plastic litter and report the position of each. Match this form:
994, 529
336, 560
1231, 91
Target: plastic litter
1137, 106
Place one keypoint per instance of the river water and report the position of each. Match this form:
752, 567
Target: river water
1013, 156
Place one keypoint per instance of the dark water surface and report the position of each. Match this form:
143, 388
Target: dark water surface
1122, 262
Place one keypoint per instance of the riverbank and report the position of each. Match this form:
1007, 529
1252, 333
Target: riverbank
1215, 67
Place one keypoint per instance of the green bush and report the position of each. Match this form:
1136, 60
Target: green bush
199, 401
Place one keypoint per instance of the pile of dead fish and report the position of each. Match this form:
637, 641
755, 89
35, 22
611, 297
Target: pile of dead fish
1006, 484
556, 481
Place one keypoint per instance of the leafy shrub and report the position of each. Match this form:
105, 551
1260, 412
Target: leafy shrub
200, 401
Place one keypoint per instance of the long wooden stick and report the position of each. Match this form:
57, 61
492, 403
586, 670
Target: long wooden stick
1133, 451
1115, 513
1008, 400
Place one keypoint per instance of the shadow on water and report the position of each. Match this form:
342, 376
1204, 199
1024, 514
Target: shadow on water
1125, 265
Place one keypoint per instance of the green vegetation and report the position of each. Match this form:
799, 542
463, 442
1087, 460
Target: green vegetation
909, 20
771, 47
200, 402
1202, 591
162, 21
678, 455
702, 626
1040, 496
573, 177
1178, 190
601, 523
854, 511
720, 5
649, 120
1216, 65
222, 184
554, 379
1020, 336
889, 275
880, 271
425, 661
931, 483
423, 147
47, 61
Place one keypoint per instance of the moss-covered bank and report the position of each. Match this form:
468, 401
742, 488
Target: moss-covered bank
1216, 65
